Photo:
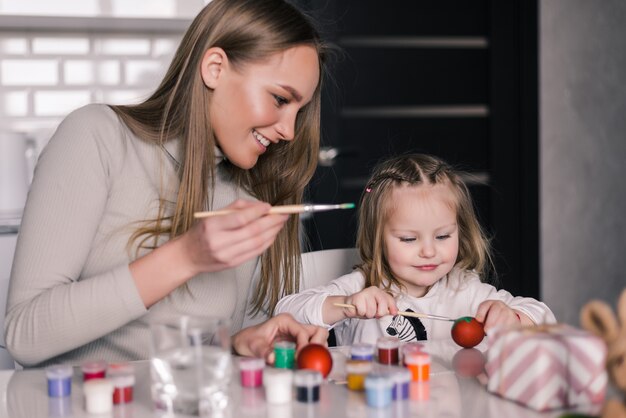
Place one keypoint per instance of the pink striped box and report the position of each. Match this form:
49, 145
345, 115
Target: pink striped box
547, 367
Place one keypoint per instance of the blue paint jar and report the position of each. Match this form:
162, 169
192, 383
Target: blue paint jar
59, 381
362, 351
401, 379
378, 390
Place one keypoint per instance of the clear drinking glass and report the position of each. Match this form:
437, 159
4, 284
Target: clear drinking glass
191, 364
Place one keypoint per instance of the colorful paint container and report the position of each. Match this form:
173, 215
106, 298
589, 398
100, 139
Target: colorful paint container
401, 378
94, 370
98, 396
419, 365
356, 372
285, 354
251, 371
278, 385
59, 381
307, 384
388, 350
378, 390
362, 351
411, 347
123, 377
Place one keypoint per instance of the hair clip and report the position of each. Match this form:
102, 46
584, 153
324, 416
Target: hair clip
368, 189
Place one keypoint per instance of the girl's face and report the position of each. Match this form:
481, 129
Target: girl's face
421, 236
256, 107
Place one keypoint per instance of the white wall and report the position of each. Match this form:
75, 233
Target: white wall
583, 152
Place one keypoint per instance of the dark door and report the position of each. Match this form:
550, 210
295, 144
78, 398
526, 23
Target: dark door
457, 79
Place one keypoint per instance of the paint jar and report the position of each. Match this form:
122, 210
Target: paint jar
307, 383
59, 381
94, 370
356, 372
419, 365
362, 351
98, 396
400, 378
278, 385
123, 377
285, 354
378, 390
412, 347
251, 372
388, 350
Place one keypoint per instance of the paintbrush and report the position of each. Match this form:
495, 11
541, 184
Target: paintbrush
286, 209
404, 313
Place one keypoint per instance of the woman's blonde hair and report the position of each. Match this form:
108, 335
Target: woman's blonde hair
376, 206
248, 31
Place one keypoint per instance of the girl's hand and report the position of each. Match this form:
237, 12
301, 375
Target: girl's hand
497, 313
258, 340
226, 241
371, 302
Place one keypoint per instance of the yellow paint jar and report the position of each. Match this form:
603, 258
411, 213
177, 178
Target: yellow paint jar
356, 371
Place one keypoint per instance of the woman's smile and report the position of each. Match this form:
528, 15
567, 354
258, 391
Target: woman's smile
263, 140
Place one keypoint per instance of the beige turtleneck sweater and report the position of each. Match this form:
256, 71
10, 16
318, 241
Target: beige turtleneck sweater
71, 295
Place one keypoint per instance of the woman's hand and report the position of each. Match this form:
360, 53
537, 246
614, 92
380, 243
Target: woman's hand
258, 340
497, 313
371, 302
226, 241
212, 244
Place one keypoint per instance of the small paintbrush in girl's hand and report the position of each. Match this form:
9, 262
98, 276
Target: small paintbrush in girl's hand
402, 313
286, 209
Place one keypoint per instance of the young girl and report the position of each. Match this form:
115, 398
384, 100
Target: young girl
422, 250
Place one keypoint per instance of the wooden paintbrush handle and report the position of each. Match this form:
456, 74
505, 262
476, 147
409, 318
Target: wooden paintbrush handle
403, 313
285, 209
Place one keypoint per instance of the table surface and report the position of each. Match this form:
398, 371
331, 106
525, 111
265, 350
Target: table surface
23, 394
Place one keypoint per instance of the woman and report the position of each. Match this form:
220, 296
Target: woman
108, 240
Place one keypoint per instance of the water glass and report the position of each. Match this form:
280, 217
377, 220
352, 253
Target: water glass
191, 365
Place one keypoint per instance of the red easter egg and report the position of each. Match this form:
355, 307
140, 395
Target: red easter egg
468, 362
315, 357
467, 332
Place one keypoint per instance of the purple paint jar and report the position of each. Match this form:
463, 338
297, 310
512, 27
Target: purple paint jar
59, 381
401, 379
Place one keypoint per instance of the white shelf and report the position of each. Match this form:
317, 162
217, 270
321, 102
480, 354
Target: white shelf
93, 24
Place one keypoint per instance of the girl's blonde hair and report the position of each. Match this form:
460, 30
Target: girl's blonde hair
248, 31
375, 208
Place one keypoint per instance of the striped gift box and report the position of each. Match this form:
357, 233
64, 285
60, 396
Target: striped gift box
547, 367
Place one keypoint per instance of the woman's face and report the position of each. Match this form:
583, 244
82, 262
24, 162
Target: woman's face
256, 107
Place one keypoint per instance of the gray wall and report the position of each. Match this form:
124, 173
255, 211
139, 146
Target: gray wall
582, 153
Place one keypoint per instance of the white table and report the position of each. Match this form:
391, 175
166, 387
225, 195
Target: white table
23, 394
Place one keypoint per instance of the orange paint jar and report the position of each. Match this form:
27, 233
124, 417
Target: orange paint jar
418, 364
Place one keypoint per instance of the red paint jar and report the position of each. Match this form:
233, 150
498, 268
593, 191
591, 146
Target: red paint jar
388, 350
123, 394
94, 370
123, 377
